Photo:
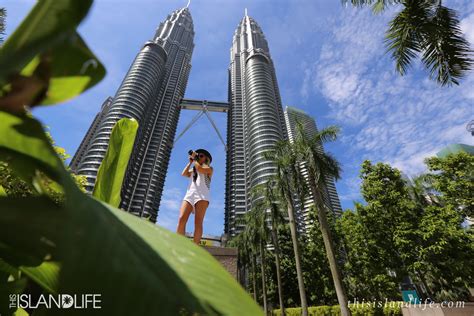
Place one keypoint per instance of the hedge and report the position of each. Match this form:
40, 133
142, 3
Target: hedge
391, 309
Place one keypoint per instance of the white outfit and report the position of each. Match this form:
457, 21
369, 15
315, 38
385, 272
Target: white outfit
199, 190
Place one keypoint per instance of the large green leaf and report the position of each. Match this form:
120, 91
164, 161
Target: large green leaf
24, 141
49, 22
46, 275
112, 169
137, 267
45, 61
156, 265
8, 269
22, 312
72, 68
29, 229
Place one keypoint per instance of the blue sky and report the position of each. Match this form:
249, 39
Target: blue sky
330, 62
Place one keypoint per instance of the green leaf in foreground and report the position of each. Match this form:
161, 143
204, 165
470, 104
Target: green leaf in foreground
72, 69
46, 275
45, 61
49, 22
23, 140
159, 271
29, 230
112, 169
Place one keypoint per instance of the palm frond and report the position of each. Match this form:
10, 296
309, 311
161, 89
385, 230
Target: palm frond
446, 53
328, 134
404, 35
377, 5
432, 30
332, 166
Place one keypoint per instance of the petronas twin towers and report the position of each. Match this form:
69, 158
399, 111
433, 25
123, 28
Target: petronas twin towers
152, 92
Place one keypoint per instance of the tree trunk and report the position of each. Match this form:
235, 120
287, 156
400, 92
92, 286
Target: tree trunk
277, 265
239, 267
264, 281
254, 278
299, 272
329, 246
429, 292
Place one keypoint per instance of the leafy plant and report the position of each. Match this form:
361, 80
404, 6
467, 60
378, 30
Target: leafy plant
45, 61
270, 206
429, 29
394, 232
453, 177
389, 308
320, 166
112, 169
289, 183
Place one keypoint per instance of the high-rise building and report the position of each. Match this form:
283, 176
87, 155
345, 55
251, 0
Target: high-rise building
151, 93
454, 149
86, 141
294, 116
255, 119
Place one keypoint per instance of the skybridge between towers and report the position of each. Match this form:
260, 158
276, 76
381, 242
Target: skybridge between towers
203, 107
199, 105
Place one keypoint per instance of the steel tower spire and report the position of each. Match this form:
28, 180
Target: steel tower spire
255, 121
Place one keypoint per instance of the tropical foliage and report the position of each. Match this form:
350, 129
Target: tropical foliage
428, 29
394, 236
405, 231
285, 189
391, 309
453, 178
17, 184
322, 167
112, 169
45, 61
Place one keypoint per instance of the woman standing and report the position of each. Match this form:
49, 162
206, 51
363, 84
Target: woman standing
197, 196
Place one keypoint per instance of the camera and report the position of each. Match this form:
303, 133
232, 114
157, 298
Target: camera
190, 152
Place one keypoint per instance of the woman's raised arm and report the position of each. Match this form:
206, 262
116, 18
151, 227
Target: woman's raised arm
203, 168
186, 172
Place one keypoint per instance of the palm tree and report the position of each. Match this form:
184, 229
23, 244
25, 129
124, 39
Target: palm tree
257, 232
421, 191
243, 257
321, 166
288, 182
248, 244
270, 203
247, 257
429, 29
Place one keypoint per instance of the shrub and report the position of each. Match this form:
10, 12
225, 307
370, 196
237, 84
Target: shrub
391, 309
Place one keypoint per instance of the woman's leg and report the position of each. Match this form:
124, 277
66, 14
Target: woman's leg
200, 207
184, 212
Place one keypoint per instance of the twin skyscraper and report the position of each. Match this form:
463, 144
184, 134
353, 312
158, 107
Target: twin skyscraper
152, 92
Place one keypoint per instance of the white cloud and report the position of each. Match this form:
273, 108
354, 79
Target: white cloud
169, 208
352, 190
400, 120
171, 199
467, 26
